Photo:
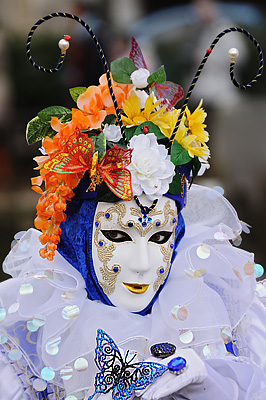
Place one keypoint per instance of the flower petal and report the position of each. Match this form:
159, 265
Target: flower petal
56, 124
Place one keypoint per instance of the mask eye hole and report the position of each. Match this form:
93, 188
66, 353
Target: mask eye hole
160, 237
116, 236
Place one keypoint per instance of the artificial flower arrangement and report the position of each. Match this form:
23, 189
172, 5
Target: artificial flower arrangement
88, 139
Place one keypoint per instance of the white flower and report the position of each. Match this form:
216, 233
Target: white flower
204, 164
150, 167
141, 95
112, 133
42, 150
139, 78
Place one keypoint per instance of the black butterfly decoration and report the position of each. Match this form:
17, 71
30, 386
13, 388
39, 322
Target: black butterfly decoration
118, 375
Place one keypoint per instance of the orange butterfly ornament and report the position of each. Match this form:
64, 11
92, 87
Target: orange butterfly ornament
78, 156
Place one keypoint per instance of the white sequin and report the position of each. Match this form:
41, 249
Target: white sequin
13, 308
203, 251
186, 336
70, 312
25, 289
51, 347
47, 374
39, 385
66, 373
180, 313
81, 364
14, 354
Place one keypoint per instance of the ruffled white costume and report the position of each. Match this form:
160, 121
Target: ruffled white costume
208, 300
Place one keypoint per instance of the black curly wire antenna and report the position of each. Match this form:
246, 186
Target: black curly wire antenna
232, 76
107, 71
63, 54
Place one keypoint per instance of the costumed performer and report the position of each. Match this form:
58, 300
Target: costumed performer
137, 290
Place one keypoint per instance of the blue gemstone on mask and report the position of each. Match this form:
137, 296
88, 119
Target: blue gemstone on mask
100, 243
96, 224
177, 364
161, 271
107, 215
158, 223
171, 246
130, 224
144, 224
115, 269
174, 220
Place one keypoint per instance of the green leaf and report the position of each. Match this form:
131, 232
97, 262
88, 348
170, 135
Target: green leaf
129, 132
110, 119
179, 155
175, 186
100, 146
158, 76
62, 113
121, 144
105, 194
92, 132
196, 164
152, 128
37, 129
138, 130
76, 91
121, 69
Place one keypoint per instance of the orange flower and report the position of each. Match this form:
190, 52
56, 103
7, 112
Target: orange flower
50, 145
79, 120
36, 183
37, 180
120, 91
94, 104
50, 209
58, 188
91, 103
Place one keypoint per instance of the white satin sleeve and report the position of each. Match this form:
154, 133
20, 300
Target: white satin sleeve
10, 385
236, 378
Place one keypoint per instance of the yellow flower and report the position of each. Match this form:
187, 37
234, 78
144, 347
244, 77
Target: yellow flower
196, 125
191, 133
136, 116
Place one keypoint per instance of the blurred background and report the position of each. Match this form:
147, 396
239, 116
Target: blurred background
173, 33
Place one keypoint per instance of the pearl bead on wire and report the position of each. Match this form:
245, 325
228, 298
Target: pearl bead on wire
233, 53
63, 45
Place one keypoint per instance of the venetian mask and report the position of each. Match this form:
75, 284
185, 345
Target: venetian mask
132, 251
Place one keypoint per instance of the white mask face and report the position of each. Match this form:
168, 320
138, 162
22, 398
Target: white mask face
132, 253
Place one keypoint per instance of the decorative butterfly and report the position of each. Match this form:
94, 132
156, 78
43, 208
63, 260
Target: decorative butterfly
118, 375
79, 157
169, 91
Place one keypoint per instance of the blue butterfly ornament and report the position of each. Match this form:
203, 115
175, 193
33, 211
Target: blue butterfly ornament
119, 375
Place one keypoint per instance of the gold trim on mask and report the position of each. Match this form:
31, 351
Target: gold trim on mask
109, 277
167, 255
105, 251
120, 210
